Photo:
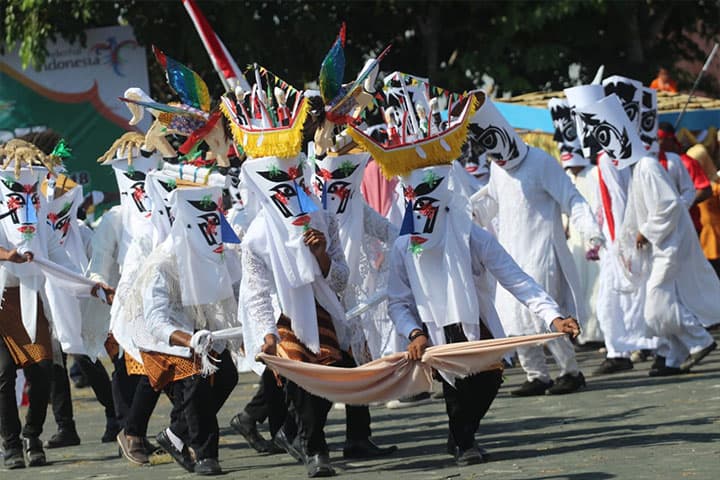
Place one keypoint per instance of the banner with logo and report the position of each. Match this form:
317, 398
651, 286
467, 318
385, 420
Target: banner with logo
75, 93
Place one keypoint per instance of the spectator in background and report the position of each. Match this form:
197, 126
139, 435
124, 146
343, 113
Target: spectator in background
669, 145
709, 209
663, 82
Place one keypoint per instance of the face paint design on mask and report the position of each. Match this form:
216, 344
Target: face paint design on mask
330, 184
167, 186
565, 134
60, 222
649, 118
209, 222
423, 204
612, 140
629, 94
496, 142
284, 193
18, 198
136, 190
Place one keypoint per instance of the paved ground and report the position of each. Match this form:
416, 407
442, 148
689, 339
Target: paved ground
623, 426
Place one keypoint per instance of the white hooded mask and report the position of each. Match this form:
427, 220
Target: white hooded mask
336, 181
495, 136
579, 97
20, 203
629, 92
197, 236
649, 116
616, 135
279, 185
566, 134
438, 258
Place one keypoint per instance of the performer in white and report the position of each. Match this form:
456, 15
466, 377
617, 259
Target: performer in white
528, 191
619, 303
680, 285
585, 178
185, 287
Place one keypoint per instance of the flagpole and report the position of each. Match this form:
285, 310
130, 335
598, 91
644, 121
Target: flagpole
697, 81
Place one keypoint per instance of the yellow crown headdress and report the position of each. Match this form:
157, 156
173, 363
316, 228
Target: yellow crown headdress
264, 128
411, 153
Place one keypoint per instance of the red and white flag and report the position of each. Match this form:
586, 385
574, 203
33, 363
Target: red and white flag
225, 66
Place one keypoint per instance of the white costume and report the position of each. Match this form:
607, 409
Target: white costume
528, 191
677, 301
680, 178
366, 237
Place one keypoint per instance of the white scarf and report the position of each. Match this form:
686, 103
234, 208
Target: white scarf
438, 259
278, 184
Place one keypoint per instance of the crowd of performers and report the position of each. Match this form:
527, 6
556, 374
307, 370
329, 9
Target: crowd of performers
333, 228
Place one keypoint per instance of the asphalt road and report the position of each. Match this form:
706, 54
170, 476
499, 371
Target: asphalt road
622, 426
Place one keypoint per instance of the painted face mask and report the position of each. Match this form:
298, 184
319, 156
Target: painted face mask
20, 203
649, 116
613, 131
629, 92
281, 183
566, 133
61, 213
427, 196
578, 97
337, 180
158, 188
198, 234
494, 136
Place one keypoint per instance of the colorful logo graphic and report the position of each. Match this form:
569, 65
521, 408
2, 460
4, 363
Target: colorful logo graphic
113, 49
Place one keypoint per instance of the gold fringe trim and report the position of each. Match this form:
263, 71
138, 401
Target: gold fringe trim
401, 160
128, 142
25, 154
282, 142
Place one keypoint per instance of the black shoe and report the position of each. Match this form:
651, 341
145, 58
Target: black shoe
695, 358
184, 459
34, 453
531, 387
291, 448
208, 466
318, 465
366, 449
112, 428
451, 447
64, 438
13, 459
613, 365
151, 448
664, 371
246, 426
471, 456
567, 384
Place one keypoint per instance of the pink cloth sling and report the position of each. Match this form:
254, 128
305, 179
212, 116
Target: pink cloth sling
395, 376
377, 190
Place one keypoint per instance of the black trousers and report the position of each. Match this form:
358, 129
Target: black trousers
307, 417
357, 417
196, 402
38, 378
134, 399
268, 402
469, 400
60, 397
99, 382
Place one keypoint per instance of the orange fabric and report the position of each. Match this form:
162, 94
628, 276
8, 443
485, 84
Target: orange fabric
292, 348
710, 221
13, 332
132, 366
670, 86
396, 376
163, 369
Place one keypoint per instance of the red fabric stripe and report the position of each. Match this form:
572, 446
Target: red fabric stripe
607, 205
662, 158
